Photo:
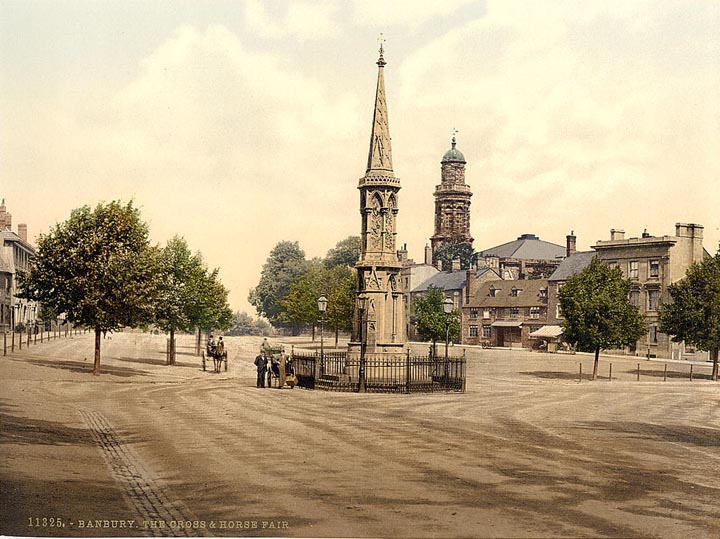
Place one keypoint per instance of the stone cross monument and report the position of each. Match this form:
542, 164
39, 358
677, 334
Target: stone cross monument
379, 319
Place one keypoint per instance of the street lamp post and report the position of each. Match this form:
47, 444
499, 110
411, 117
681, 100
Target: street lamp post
447, 309
322, 303
362, 304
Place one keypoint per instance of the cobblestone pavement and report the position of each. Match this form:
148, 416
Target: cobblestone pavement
526, 452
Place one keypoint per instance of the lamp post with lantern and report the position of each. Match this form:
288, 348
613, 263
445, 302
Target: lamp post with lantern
322, 303
447, 309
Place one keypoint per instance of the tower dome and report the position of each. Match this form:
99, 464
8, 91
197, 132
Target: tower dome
453, 155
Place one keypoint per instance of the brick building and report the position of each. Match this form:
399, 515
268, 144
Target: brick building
505, 312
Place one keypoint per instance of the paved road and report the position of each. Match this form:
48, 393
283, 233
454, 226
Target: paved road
526, 452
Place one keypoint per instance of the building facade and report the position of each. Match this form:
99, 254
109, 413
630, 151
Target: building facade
505, 312
16, 255
452, 202
652, 263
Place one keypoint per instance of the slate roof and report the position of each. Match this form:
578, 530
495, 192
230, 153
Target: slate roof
572, 265
529, 295
526, 247
448, 280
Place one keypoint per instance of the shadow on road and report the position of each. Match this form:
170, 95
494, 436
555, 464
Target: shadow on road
23, 430
86, 367
683, 434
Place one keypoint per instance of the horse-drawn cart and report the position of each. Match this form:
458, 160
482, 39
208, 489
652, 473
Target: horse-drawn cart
218, 355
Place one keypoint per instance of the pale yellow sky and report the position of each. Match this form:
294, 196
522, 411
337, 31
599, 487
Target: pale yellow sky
241, 124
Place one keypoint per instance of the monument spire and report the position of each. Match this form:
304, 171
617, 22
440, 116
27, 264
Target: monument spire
380, 154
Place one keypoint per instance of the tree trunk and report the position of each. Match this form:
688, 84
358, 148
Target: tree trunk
197, 344
714, 357
595, 363
172, 347
96, 365
337, 331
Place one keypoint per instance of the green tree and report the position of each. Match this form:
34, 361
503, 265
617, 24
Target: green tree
430, 319
341, 299
98, 268
179, 275
299, 306
284, 265
456, 248
244, 324
345, 253
694, 314
597, 311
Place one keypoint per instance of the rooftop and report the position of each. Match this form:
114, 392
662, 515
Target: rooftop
526, 247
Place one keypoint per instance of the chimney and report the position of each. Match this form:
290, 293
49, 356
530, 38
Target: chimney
570, 243
403, 254
5, 217
645, 234
695, 234
428, 255
456, 264
616, 234
470, 285
22, 231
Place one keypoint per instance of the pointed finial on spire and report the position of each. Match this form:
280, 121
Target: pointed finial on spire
454, 132
381, 60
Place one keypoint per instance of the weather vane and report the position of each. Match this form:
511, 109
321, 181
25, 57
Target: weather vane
454, 132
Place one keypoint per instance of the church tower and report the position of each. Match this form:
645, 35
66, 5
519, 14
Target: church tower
379, 320
452, 202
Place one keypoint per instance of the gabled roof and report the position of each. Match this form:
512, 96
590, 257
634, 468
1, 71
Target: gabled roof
529, 293
8, 236
449, 280
526, 247
572, 265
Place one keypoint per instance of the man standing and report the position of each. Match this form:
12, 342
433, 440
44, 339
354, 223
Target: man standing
261, 364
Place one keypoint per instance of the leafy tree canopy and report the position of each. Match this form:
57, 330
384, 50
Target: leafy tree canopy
451, 250
284, 265
597, 311
693, 315
98, 268
345, 253
430, 318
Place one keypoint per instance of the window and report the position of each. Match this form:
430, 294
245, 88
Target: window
535, 312
473, 331
635, 297
653, 334
486, 314
652, 297
558, 311
514, 312
487, 332
634, 269
542, 292
654, 268
474, 313
515, 292
493, 292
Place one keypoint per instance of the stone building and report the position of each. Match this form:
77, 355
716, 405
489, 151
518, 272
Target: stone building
505, 312
527, 257
379, 328
455, 285
16, 255
452, 203
652, 263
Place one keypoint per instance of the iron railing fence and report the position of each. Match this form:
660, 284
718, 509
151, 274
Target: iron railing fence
408, 374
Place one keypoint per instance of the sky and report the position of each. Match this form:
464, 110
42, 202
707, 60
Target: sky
239, 124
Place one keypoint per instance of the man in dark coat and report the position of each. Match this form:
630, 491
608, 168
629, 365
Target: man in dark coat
261, 364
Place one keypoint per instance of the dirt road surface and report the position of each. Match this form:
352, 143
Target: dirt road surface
528, 451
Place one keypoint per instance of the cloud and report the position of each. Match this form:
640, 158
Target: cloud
411, 13
573, 116
301, 20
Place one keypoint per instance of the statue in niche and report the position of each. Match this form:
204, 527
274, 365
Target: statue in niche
372, 281
375, 224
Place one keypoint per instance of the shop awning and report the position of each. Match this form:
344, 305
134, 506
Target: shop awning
506, 324
547, 332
